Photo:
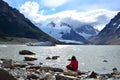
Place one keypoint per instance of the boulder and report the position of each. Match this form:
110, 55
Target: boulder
92, 75
4, 75
33, 76
57, 69
30, 63
45, 68
33, 67
66, 77
26, 52
30, 58
70, 73
23, 65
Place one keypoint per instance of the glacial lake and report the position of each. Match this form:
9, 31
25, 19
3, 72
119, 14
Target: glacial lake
90, 57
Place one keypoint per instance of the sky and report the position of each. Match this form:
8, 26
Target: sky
94, 12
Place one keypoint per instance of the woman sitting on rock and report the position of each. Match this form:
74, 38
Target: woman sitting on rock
73, 64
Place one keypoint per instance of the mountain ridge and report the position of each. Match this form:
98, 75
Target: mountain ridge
14, 24
64, 31
110, 34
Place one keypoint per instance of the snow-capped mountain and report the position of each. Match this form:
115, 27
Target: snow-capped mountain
55, 30
72, 35
65, 31
87, 31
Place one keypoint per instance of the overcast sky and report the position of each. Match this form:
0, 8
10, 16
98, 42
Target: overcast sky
94, 12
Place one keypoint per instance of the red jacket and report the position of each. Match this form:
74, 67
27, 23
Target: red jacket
74, 64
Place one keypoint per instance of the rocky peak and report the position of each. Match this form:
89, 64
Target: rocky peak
52, 24
64, 24
3, 6
112, 27
88, 29
111, 33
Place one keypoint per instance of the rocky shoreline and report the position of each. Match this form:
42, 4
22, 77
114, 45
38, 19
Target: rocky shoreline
14, 70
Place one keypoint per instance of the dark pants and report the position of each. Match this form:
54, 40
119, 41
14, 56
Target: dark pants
70, 68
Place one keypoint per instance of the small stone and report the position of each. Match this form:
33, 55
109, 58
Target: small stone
105, 61
48, 58
114, 69
41, 63
55, 57
69, 59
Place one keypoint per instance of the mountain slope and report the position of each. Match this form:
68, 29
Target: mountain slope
111, 33
14, 24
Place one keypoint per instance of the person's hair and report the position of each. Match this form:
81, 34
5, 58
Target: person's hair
73, 58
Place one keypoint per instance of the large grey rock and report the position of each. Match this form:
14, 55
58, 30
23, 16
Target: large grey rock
33, 76
26, 52
30, 58
65, 77
4, 75
57, 69
21, 65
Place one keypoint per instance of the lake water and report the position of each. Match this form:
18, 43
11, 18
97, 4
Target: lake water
90, 57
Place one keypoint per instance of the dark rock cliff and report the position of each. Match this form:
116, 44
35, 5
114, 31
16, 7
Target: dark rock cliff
14, 24
110, 34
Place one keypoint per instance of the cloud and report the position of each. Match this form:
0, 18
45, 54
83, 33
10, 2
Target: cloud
53, 9
31, 11
31, 7
42, 12
53, 3
97, 18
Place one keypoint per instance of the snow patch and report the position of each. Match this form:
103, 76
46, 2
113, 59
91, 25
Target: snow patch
71, 41
114, 24
118, 26
3, 45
